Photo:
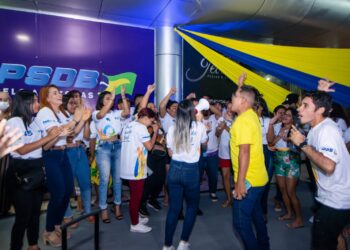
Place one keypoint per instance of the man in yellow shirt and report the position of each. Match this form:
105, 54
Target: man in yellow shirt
250, 174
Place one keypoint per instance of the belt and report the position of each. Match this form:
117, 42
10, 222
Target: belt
111, 139
63, 147
75, 145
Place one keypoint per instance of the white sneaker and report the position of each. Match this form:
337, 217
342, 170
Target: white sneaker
168, 248
143, 220
140, 228
183, 246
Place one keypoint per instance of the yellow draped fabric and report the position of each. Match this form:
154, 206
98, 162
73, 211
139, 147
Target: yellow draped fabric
273, 94
331, 63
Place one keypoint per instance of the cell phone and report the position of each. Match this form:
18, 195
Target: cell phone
246, 184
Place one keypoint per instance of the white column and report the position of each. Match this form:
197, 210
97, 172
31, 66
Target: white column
168, 58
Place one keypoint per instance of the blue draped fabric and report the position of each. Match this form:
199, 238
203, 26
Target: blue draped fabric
305, 81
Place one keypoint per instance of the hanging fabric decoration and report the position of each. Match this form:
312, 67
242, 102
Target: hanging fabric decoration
273, 94
285, 62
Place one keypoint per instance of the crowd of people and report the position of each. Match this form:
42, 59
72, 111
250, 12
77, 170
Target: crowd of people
53, 140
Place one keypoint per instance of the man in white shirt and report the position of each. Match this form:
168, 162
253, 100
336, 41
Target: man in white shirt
325, 148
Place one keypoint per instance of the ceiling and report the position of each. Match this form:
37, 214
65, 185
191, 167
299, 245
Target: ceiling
312, 23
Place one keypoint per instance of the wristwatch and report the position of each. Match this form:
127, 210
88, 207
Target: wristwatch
303, 144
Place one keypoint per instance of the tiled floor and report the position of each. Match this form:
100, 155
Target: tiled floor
212, 231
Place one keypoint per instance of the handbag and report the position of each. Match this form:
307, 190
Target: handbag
29, 174
32, 180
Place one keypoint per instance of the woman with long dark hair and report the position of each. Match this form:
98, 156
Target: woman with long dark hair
77, 155
287, 165
108, 125
184, 139
57, 166
26, 162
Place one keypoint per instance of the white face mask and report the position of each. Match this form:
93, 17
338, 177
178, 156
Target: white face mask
4, 106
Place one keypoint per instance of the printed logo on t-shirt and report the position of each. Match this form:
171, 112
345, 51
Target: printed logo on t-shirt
47, 121
107, 132
331, 150
140, 165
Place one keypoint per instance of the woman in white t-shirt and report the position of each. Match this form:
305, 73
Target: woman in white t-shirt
25, 162
136, 142
77, 154
184, 139
108, 125
223, 133
57, 167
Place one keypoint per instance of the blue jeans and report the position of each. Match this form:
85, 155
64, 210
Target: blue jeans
108, 161
210, 164
60, 184
183, 181
81, 171
246, 212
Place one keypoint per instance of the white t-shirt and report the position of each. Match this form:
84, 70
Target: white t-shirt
133, 153
341, 124
109, 125
32, 134
333, 190
224, 142
280, 143
167, 121
198, 136
264, 122
125, 120
213, 142
93, 130
347, 135
47, 120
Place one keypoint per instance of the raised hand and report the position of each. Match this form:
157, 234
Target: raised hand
275, 119
296, 136
86, 114
7, 138
155, 127
172, 91
325, 85
241, 79
122, 90
151, 88
191, 95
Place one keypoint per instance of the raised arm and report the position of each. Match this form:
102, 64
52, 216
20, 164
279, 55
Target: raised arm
322, 162
106, 108
126, 108
145, 98
164, 102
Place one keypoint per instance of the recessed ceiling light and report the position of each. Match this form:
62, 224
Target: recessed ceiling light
23, 37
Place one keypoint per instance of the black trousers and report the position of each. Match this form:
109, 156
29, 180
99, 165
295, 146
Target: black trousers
328, 225
154, 183
27, 206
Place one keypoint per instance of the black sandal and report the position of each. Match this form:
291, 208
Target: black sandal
105, 220
119, 216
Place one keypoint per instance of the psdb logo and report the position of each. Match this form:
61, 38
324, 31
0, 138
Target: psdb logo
40, 76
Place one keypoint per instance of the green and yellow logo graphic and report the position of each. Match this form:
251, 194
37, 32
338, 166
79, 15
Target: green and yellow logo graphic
126, 79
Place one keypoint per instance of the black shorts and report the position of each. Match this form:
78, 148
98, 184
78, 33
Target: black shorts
328, 225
